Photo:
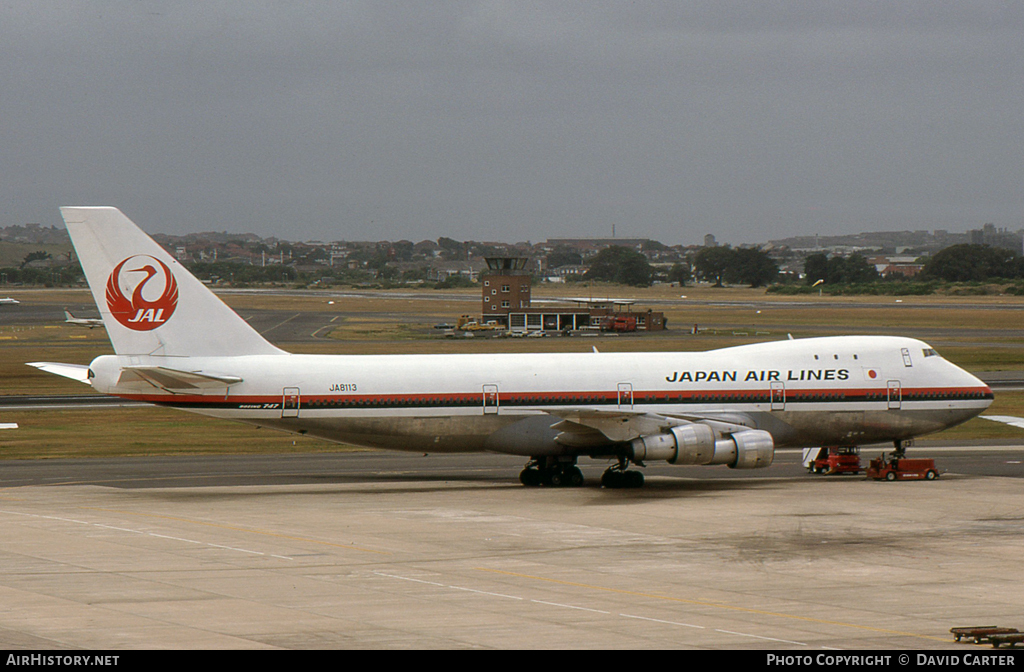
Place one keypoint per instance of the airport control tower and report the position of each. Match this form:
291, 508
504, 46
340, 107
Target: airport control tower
506, 287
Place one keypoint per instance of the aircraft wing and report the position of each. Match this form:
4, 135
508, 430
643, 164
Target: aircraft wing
586, 426
1006, 419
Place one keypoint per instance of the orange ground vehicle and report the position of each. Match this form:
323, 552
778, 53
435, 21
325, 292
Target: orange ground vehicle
843, 460
895, 468
618, 324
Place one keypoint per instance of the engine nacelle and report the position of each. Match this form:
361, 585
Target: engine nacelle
696, 444
682, 444
755, 449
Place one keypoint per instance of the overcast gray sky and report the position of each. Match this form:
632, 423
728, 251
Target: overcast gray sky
513, 120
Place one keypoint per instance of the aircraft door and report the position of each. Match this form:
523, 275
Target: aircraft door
490, 399
895, 395
290, 402
778, 396
625, 395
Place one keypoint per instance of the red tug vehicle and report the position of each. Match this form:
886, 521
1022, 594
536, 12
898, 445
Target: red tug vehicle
895, 466
836, 460
899, 468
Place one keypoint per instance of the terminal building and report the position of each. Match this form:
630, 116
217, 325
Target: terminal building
506, 301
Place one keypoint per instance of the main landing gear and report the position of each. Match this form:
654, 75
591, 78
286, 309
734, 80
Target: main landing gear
551, 472
619, 476
565, 474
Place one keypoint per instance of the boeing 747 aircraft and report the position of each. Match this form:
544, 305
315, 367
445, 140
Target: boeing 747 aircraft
178, 345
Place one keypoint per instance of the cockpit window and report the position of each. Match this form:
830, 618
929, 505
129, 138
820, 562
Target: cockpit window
930, 352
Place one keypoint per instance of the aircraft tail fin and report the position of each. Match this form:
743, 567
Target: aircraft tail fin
150, 304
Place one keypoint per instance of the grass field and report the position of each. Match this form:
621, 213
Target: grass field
401, 322
120, 432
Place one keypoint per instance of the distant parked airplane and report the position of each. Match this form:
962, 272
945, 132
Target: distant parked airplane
9, 300
91, 322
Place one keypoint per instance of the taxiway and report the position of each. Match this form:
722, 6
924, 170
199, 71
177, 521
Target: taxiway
381, 550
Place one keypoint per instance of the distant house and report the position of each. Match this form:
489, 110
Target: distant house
906, 266
568, 272
441, 269
904, 269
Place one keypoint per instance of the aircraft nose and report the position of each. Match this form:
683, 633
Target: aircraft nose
978, 385
970, 383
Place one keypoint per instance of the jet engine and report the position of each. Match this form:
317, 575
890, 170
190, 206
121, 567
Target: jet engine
697, 444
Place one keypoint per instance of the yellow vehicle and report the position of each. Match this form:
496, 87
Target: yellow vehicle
467, 323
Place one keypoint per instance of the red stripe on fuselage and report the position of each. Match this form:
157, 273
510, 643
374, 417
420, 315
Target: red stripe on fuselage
572, 398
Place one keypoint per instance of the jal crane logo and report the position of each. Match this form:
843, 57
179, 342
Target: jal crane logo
153, 290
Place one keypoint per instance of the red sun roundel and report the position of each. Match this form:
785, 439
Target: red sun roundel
152, 288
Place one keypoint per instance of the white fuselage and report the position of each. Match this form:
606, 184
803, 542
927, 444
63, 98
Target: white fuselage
811, 392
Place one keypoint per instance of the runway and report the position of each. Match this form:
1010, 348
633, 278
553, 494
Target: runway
383, 550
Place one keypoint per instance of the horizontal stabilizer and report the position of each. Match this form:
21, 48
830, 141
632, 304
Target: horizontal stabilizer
73, 371
174, 380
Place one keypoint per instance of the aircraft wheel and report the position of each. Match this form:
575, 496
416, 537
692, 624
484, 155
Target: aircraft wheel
575, 477
635, 479
555, 478
529, 477
611, 479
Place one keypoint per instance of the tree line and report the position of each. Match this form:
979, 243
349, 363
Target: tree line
972, 262
717, 265
967, 262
